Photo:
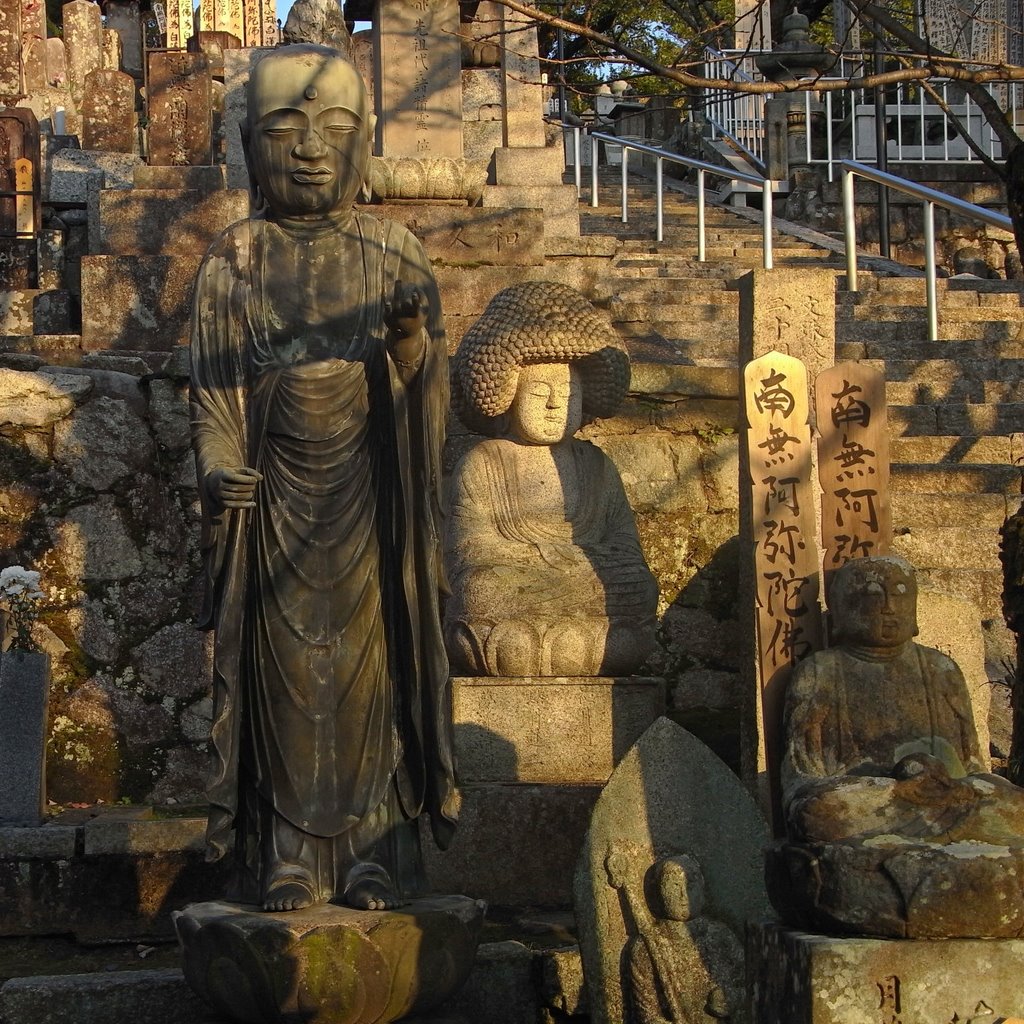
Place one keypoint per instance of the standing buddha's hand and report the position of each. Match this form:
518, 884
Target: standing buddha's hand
233, 487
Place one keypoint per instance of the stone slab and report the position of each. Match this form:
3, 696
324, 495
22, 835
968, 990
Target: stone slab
559, 203
815, 979
472, 236
73, 170
24, 703
154, 222
173, 835
40, 842
529, 165
550, 730
515, 845
122, 997
137, 302
205, 179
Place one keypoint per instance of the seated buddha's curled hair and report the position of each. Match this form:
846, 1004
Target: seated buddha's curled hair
536, 322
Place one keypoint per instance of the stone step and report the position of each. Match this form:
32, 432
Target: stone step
660, 346
984, 511
698, 312
954, 314
919, 478
949, 547
867, 331
956, 451
667, 290
960, 351
983, 586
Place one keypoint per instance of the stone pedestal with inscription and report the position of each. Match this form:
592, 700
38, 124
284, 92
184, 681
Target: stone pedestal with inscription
817, 979
533, 754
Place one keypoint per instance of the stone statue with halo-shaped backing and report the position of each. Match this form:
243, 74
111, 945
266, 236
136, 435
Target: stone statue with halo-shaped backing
546, 570
319, 396
895, 828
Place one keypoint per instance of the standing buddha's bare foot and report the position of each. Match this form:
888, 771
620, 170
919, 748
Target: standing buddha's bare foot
370, 888
289, 894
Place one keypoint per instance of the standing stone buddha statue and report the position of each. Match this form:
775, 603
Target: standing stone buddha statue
319, 396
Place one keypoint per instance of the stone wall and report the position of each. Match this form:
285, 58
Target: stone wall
98, 492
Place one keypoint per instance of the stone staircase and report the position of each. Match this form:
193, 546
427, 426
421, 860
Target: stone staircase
956, 406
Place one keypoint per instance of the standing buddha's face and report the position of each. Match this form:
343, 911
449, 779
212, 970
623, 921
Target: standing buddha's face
548, 406
309, 131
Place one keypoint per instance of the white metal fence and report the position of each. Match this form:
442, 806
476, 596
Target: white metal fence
918, 126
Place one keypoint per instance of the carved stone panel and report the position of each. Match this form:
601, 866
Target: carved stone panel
418, 80
180, 109
108, 112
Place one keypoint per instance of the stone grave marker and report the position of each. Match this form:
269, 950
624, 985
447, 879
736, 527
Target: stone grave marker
180, 109
124, 17
56, 62
522, 92
36, 78
108, 112
669, 797
24, 699
33, 21
12, 84
83, 43
111, 50
418, 81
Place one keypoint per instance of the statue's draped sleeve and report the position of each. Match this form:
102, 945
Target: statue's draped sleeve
219, 434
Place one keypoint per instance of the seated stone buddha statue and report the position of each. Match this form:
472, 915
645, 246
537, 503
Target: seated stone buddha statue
883, 778
541, 548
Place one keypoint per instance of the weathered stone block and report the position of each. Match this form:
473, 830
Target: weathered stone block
539, 831
816, 979
41, 397
559, 203
529, 166
459, 235
154, 222
552, 730
131, 835
126, 997
24, 702
205, 179
137, 302
72, 170
16, 310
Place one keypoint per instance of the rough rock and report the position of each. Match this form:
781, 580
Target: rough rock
38, 398
175, 661
92, 542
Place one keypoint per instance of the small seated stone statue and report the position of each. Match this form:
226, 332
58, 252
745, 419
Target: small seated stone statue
882, 757
546, 569
680, 967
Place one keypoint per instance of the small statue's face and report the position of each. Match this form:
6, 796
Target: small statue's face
309, 131
681, 891
877, 606
548, 406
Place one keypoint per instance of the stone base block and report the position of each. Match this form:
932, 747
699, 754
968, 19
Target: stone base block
27, 311
73, 172
115, 876
459, 235
551, 730
328, 964
205, 179
515, 845
559, 203
815, 979
166, 221
137, 302
529, 166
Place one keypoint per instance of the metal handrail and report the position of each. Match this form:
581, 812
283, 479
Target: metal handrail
701, 167
930, 198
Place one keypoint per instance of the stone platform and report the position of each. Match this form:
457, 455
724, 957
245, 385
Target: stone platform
817, 979
533, 754
329, 964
